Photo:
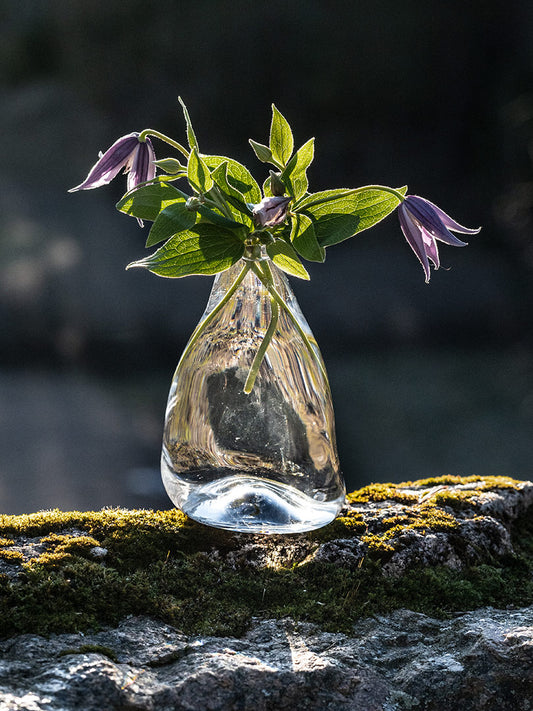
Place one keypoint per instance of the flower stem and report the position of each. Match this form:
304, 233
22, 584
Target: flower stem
224, 300
166, 139
384, 188
266, 277
219, 202
258, 359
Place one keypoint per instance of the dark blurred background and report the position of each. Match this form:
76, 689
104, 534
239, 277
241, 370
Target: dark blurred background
427, 379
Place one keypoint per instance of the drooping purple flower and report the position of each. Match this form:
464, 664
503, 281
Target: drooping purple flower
271, 211
136, 157
423, 223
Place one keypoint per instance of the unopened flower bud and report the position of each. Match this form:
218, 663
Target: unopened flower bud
271, 211
171, 166
193, 203
276, 184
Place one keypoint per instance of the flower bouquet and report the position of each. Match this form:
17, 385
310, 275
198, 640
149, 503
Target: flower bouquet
249, 434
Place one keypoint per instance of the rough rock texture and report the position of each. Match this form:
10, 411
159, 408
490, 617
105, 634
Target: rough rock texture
478, 661
417, 597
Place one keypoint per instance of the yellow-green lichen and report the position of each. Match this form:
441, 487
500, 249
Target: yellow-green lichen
381, 492
482, 482
457, 500
11, 556
345, 526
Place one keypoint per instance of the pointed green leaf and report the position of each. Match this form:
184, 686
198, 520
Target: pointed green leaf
239, 177
220, 176
204, 249
372, 205
331, 212
340, 214
234, 198
333, 228
304, 239
323, 197
173, 219
198, 173
281, 140
284, 256
261, 151
147, 201
191, 137
267, 188
295, 174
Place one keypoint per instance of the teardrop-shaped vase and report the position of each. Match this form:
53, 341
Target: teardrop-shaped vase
264, 461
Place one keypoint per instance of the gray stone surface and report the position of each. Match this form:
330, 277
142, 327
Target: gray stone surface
478, 661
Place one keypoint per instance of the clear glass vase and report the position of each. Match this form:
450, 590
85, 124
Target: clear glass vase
249, 437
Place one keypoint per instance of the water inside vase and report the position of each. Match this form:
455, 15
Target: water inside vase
264, 461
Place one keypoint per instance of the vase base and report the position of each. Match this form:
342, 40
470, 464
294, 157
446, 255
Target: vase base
251, 505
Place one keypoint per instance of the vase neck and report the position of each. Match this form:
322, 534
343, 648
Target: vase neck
255, 253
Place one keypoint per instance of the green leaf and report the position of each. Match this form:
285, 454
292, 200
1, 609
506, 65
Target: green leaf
334, 228
204, 249
238, 176
372, 205
173, 219
147, 201
281, 140
323, 197
304, 239
267, 188
295, 174
172, 166
198, 173
220, 176
340, 214
234, 198
261, 151
331, 213
191, 136
284, 256
211, 216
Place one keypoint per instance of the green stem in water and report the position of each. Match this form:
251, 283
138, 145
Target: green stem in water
266, 277
223, 301
171, 142
263, 273
254, 368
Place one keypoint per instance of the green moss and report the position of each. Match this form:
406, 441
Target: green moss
165, 565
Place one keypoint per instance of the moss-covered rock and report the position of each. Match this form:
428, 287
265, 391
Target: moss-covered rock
435, 546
